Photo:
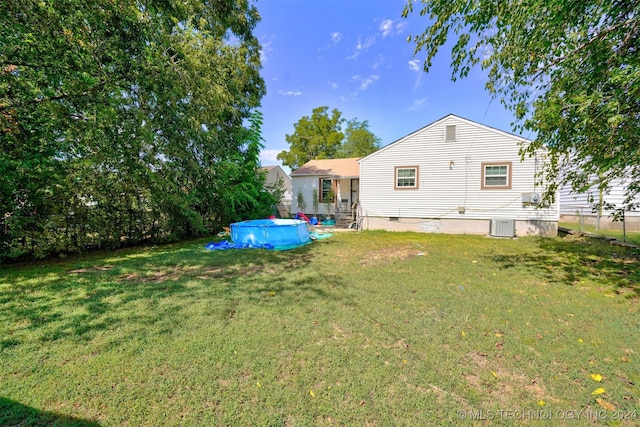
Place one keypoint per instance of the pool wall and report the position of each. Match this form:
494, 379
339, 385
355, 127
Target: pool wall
275, 232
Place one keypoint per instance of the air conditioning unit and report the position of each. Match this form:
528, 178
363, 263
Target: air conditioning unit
503, 228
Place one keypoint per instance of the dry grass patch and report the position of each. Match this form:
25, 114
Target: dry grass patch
490, 376
385, 256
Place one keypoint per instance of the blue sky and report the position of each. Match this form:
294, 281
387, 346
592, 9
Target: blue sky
353, 55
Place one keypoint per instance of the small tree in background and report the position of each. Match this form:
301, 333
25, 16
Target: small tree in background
328, 201
301, 203
276, 189
316, 201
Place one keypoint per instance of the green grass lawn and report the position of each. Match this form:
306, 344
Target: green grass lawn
371, 328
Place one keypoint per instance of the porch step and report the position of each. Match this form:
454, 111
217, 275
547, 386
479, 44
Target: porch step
344, 223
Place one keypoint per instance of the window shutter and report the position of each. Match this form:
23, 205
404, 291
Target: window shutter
450, 133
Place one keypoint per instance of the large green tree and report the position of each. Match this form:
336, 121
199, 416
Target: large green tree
321, 136
359, 141
124, 121
570, 72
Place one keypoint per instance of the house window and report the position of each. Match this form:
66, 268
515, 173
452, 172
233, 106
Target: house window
326, 193
496, 176
406, 177
450, 133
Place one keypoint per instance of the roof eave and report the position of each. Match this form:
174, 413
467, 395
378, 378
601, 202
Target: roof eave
325, 174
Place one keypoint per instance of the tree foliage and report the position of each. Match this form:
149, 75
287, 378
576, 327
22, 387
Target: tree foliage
321, 136
570, 72
359, 140
124, 121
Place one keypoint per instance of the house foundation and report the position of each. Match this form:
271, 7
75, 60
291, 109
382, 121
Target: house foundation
457, 226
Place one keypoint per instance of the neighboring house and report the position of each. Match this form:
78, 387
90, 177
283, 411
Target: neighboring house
454, 176
593, 207
331, 177
274, 175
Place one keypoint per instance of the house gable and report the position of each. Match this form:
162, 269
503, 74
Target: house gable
440, 126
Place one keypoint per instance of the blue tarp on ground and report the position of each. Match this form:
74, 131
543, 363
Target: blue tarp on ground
226, 244
277, 234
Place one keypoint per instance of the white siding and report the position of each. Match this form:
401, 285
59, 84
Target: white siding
304, 184
450, 176
581, 204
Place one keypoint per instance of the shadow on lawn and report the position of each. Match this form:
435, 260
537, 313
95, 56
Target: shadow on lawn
148, 289
571, 259
13, 413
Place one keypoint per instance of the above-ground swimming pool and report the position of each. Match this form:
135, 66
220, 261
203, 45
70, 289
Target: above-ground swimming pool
275, 232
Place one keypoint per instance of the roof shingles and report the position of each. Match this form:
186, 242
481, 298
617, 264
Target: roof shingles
335, 168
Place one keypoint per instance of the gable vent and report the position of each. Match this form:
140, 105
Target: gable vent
450, 133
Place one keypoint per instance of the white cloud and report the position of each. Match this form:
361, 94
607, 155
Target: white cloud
366, 44
418, 104
266, 48
379, 61
369, 81
414, 65
389, 27
362, 46
336, 37
332, 85
386, 26
365, 82
418, 82
290, 92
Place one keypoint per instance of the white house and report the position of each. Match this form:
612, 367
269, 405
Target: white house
275, 175
592, 207
455, 176
332, 183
